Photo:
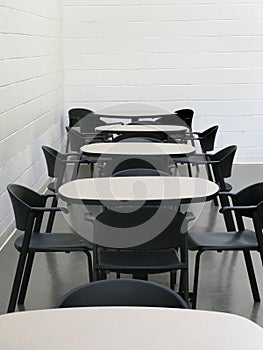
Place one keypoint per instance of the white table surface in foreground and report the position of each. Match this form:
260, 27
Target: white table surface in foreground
152, 188
138, 148
127, 328
118, 128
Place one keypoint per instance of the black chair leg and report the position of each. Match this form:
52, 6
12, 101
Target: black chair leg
17, 281
184, 285
51, 217
26, 277
91, 272
251, 275
189, 170
196, 278
172, 279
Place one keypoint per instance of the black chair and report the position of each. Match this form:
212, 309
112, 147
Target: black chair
221, 163
76, 114
29, 208
122, 292
246, 203
206, 138
56, 166
139, 172
207, 143
116, 248
121, 163
182, 117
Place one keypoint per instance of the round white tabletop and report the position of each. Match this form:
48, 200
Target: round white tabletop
138, 148
149, 188
118, 128
129, 328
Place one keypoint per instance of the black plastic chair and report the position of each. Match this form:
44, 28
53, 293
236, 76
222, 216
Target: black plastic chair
246, 203
183, 117
122, 292
29, 208
206, 138
118, 164
221, 163
140, 172
167, 252
76, 114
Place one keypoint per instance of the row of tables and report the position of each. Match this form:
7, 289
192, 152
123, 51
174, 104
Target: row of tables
125, 327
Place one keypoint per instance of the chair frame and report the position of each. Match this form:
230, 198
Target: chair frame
255, 213
29, 219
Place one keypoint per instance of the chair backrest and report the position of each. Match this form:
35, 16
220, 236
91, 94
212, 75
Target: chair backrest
133, 162
56, 165
182, 117
155, 227
90, 122
76, 114
186, 115
122, 292
207, 138
250, 196
139, 172
225, 158
23, 199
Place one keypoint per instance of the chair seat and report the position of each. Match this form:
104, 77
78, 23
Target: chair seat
245, 239
55, 242
155, 260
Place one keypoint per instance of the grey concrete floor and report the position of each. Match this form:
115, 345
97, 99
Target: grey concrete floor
224, 283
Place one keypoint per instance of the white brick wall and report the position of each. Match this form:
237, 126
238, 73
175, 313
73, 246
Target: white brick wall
31, 93
202, 54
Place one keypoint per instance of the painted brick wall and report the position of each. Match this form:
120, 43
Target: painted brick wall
31, 93
202, 54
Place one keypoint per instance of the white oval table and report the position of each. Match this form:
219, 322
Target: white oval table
138, 149
120, 129
129, 328
138, 189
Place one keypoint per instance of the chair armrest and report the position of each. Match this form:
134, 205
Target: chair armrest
238, 208
43, 209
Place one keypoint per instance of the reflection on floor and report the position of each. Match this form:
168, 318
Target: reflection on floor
224, 284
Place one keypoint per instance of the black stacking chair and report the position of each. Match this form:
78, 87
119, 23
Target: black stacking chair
183, 117
122, 292
206, 138
167, 252
221, 163
246, 203
29, 208
139, 172
76, 114
207, 143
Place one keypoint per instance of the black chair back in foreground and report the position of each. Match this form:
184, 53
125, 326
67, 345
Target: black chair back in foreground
246, 203
142, 241
29, 208
122, 292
